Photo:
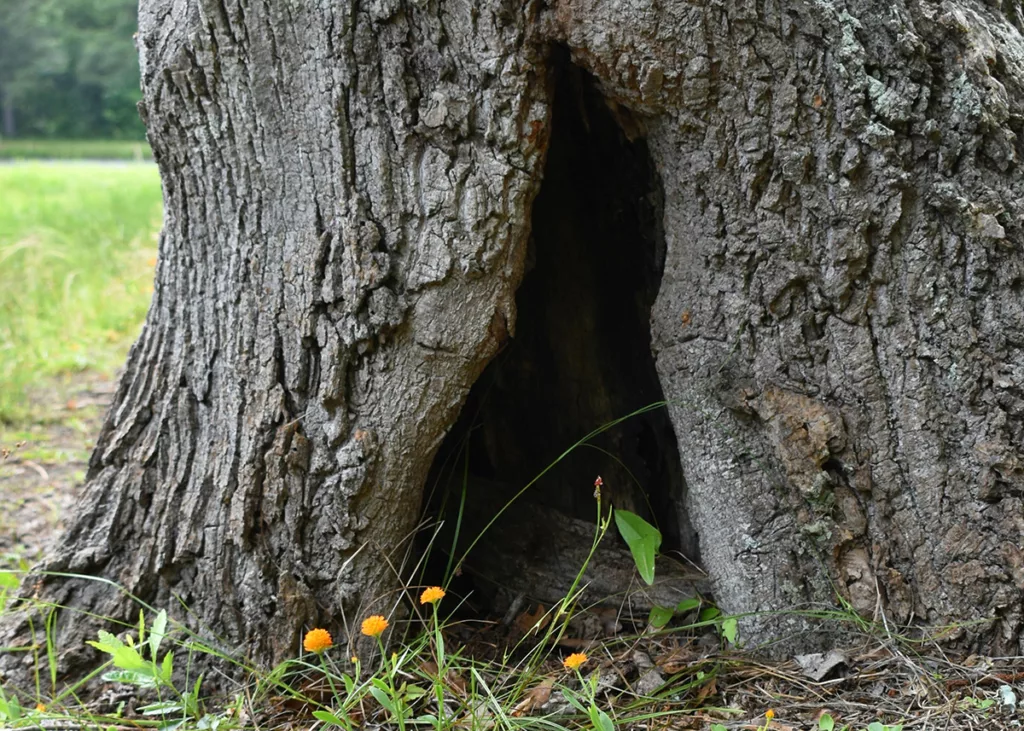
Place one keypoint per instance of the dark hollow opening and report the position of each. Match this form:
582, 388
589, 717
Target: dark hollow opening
580, 359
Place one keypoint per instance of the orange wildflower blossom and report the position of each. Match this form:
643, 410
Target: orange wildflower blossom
769, 714
374, 626
574, 661
431, 594
317, 640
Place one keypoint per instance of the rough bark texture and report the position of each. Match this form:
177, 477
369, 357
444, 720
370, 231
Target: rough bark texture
842, 315
348, 191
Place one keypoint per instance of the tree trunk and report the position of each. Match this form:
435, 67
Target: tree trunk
339, 182
841, 316
348, 198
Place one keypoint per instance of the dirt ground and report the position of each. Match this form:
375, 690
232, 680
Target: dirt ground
46, 461
881, 680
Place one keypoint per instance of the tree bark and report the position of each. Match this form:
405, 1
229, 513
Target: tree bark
347, 204
339, 181
841, 317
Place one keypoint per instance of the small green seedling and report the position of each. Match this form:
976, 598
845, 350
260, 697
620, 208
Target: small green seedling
661, 616
643, 540
10, 709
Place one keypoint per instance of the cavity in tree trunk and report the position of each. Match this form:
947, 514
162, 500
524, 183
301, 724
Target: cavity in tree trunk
824, 197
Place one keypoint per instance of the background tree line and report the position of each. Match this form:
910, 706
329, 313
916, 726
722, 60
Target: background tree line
68, 68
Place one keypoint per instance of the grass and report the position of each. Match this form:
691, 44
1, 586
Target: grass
424, 678
420, 680
19, 149
77, 251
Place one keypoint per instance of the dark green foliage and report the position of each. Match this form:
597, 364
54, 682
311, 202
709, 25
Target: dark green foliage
68, 68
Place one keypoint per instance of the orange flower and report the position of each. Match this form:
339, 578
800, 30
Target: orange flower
431, 594
769, 714
374, 626
574, 661
317, 640
40, 707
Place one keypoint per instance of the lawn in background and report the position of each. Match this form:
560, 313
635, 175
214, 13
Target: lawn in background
77, 251
18, 149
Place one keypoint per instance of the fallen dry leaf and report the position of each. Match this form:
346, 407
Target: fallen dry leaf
527, 621
535, 698
452, 680
817, 666
709, 688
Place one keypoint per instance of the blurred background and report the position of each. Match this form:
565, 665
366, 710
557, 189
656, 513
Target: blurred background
68, 69
80, 211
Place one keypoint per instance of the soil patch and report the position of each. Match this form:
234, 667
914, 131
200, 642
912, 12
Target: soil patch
46, 461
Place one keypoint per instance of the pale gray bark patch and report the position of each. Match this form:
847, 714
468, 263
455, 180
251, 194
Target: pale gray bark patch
840, 320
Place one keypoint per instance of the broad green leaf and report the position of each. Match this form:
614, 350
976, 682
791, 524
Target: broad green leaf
643, 540
709, 613
167, 668
730, 627
8, 580
328, 717
131, 677
10, 709
161, 708
156, 632
601, 720
687, 605
875, 726
573, 700
659, 616
413, 692
718, 727
192, 699
124, 656
383, 698
826, 723
210, 722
